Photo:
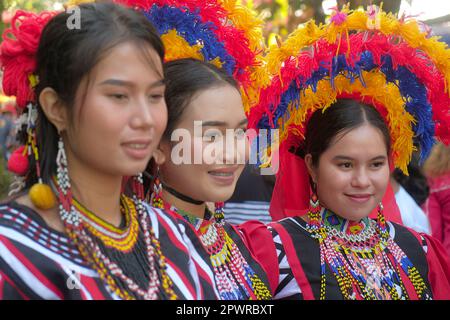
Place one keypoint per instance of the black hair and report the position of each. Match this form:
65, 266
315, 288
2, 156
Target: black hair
415, 183
342, 116
184, 79
66, 56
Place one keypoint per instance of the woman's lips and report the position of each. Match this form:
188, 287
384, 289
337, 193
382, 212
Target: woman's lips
225, 176
359, 198
138, 150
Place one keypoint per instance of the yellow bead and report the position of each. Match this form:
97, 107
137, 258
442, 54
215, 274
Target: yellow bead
42, 196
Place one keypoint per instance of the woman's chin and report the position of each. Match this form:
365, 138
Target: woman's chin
220, 196
356, 215
134, 170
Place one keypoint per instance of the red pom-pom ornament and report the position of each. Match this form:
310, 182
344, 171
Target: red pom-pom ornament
18, 162
18, 54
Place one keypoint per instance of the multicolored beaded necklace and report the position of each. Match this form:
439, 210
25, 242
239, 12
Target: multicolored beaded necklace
235, 278
363, 258
115, 252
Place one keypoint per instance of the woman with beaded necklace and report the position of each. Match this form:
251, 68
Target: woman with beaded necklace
186, 188
212, 50
89, 122
348, 99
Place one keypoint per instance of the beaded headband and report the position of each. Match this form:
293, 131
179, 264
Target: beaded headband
368, 56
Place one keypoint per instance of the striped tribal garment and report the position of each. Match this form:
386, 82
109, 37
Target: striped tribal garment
38, 262
292, 259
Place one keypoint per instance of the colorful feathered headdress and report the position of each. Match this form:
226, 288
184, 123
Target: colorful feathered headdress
221, 32
368, 56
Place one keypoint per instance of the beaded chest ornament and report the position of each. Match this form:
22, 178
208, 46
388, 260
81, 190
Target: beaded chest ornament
98, 242
364, 259
235, 278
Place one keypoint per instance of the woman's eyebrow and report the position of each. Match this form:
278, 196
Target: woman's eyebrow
214, 124
341, 157
124, 83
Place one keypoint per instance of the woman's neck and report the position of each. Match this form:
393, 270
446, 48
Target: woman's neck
98, 192
197, 210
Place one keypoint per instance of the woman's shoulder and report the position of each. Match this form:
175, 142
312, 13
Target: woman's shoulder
24, 227
414, 244
169, 228
37, 262
411, 240
22, 218
293, 227
163, 220
179, 240
432, 262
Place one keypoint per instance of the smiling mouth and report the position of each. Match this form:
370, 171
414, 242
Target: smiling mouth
360, 198
137, 146
221, 174
137, 150
224, 172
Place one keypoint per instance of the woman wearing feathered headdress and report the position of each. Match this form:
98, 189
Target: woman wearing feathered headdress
92, 113
212, 69
351, 99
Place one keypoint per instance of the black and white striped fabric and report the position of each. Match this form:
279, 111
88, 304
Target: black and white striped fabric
38, 262
287, 286
237, 213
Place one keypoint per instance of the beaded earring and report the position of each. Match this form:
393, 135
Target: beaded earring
138, 187
40, 193
155, 198
314, 209
219, 211
381, 222
68, 215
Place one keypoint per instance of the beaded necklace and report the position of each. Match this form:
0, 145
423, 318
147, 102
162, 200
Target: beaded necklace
363, 258
115, 253
120, 239
235, 278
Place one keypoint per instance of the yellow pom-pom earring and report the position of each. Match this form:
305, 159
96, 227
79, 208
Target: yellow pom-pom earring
41, 195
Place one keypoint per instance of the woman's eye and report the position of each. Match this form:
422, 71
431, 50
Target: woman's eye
212, 136
155, 98
378, 164
118, 96
345, 165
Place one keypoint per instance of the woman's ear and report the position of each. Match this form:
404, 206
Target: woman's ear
53, 109
163, 151
159, 156
310, 167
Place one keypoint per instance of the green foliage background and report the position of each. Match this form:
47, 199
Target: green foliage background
5, 179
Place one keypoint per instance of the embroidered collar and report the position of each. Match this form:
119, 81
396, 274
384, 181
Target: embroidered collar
199, 224
348, 227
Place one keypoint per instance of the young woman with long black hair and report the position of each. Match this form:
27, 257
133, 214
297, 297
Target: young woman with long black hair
78, 228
